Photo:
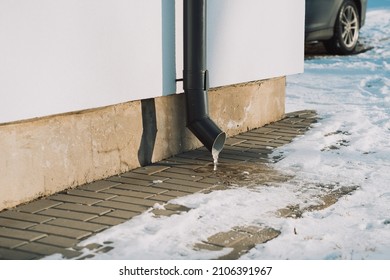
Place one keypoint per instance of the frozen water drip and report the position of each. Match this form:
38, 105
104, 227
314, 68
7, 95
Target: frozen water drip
215, 154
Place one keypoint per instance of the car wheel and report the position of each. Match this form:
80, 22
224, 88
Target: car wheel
346, 30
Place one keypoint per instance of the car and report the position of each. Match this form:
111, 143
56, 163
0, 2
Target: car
335, 23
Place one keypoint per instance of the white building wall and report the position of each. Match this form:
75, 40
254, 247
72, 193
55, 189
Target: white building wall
250, 39
64, 55
67, 55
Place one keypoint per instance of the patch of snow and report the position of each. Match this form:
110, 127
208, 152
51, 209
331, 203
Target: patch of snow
157, 181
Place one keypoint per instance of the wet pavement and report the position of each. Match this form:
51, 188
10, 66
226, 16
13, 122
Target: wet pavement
57, 223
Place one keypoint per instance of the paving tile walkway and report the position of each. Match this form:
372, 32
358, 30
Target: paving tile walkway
57, 223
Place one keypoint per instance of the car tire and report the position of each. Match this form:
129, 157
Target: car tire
346, 30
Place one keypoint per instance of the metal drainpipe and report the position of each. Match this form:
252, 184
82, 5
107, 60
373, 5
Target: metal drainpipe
195, 77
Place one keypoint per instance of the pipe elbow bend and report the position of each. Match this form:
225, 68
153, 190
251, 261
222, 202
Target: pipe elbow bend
208, 133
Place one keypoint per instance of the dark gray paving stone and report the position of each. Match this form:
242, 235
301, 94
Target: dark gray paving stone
297, 113
182, 165
74, 199
92, 194
201, 160
258, 137
193, 154
174, 193
189, 177
263, 151
130, 193
260, 143
247, 154
272, 134
38, 205
144, 177
149, 189
132, 181
288, 138
260, 160
251, 145
234, 148
10, 223
285, 128
47, 250
98, 186
122, 214
192, 163
134, 201
263, 145
254, 155
176, 207
231, 156
227, 239
207, 247
261, 136
85, 226
288, 125
189, 172
193, 184
11, 243
58, 213
175, 187
292, 121
160, 198
281, 141
61, 231
284, 133
155, 168
33, 218
164, 212
264, 130
84, 208
288, 129
26, 235
109, 221
210, 181
59, 241
123, 206
234, 141
7, 254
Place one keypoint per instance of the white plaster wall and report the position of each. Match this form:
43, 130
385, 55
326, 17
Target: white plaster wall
250, 39
58, 56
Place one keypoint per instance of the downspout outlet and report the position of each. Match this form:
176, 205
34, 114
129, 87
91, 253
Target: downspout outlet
195, 77
209, 134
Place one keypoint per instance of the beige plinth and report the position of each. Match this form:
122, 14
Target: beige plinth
46, 155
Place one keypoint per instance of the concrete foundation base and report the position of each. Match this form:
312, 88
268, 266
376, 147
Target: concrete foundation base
47, 155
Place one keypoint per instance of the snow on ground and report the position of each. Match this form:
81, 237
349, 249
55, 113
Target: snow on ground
348, 147
352, 97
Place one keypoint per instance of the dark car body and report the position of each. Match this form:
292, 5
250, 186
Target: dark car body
322, 17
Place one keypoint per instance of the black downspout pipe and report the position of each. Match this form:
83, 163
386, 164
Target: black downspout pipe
195, 77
